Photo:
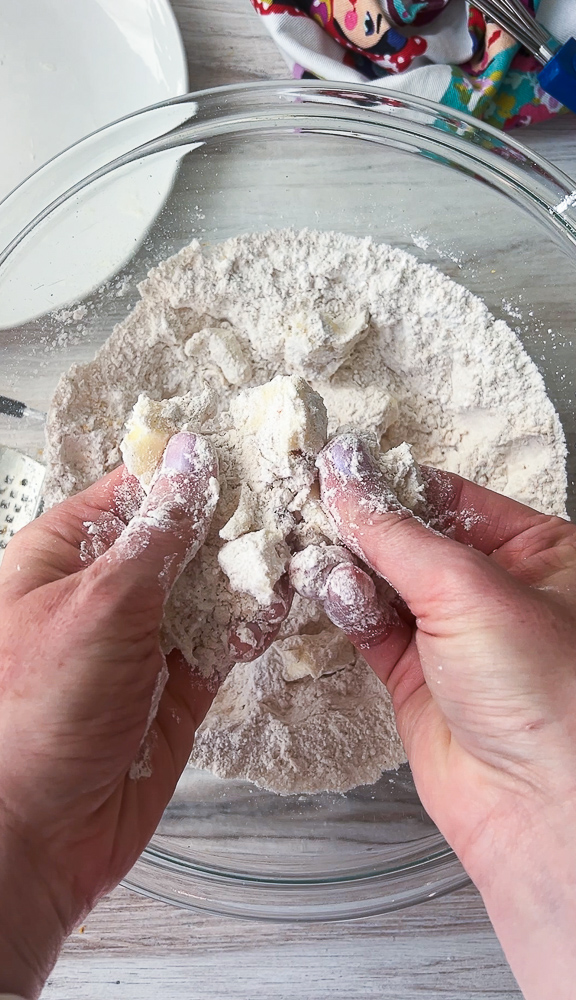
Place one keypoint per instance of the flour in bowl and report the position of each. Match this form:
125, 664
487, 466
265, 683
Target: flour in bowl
350, 335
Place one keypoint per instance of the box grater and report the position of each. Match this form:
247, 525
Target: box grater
21, 480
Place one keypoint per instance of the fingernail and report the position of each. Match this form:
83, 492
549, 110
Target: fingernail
346, 455
245, 642
310, 568
352, 604
190, 454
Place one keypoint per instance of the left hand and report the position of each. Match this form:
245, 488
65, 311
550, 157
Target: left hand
80, 671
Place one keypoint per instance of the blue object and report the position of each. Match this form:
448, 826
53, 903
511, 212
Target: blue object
558, 77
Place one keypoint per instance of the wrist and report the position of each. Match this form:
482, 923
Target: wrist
527, 879
33, 923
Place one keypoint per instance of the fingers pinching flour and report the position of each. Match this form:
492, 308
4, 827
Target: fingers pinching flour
268, 438
311, 567
352, 603
329, 574
388, 481
267, 346
247, 640
354, 477
174, 519
151, 424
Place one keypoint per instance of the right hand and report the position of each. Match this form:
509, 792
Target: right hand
480, 661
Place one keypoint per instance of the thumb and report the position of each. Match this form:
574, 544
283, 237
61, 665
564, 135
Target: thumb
147, 558
483, 637
440, 579
476, 623
416, 560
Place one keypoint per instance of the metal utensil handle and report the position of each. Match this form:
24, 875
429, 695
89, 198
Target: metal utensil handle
14, 408
514, 18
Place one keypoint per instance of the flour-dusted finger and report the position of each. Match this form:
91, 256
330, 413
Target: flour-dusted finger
482, 518
310, 568
372, 522
351, 601
248, 640
172, 524
69, 536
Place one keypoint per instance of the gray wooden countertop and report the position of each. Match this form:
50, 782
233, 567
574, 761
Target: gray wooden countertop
136, 949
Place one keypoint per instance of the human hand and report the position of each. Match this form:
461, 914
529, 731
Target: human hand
81, 673
480, 661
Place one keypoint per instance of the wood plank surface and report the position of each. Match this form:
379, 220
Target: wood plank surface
133, 948
138, 949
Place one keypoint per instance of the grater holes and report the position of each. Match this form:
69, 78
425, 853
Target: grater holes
9, 518
4, 504
23, 482
17, 508
24, 498
9, 480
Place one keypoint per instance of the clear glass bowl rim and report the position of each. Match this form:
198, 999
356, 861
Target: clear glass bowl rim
308, 105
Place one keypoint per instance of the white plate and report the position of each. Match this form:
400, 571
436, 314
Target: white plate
68, 67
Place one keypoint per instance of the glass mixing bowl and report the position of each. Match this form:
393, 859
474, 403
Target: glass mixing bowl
81, 233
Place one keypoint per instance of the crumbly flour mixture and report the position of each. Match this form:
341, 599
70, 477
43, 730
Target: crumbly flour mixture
268, 344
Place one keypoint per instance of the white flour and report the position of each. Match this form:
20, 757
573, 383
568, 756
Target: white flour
397, 351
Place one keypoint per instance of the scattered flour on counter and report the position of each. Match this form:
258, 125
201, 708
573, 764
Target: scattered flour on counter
391, 348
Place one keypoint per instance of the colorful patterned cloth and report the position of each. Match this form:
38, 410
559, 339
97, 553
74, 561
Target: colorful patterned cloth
445, 50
